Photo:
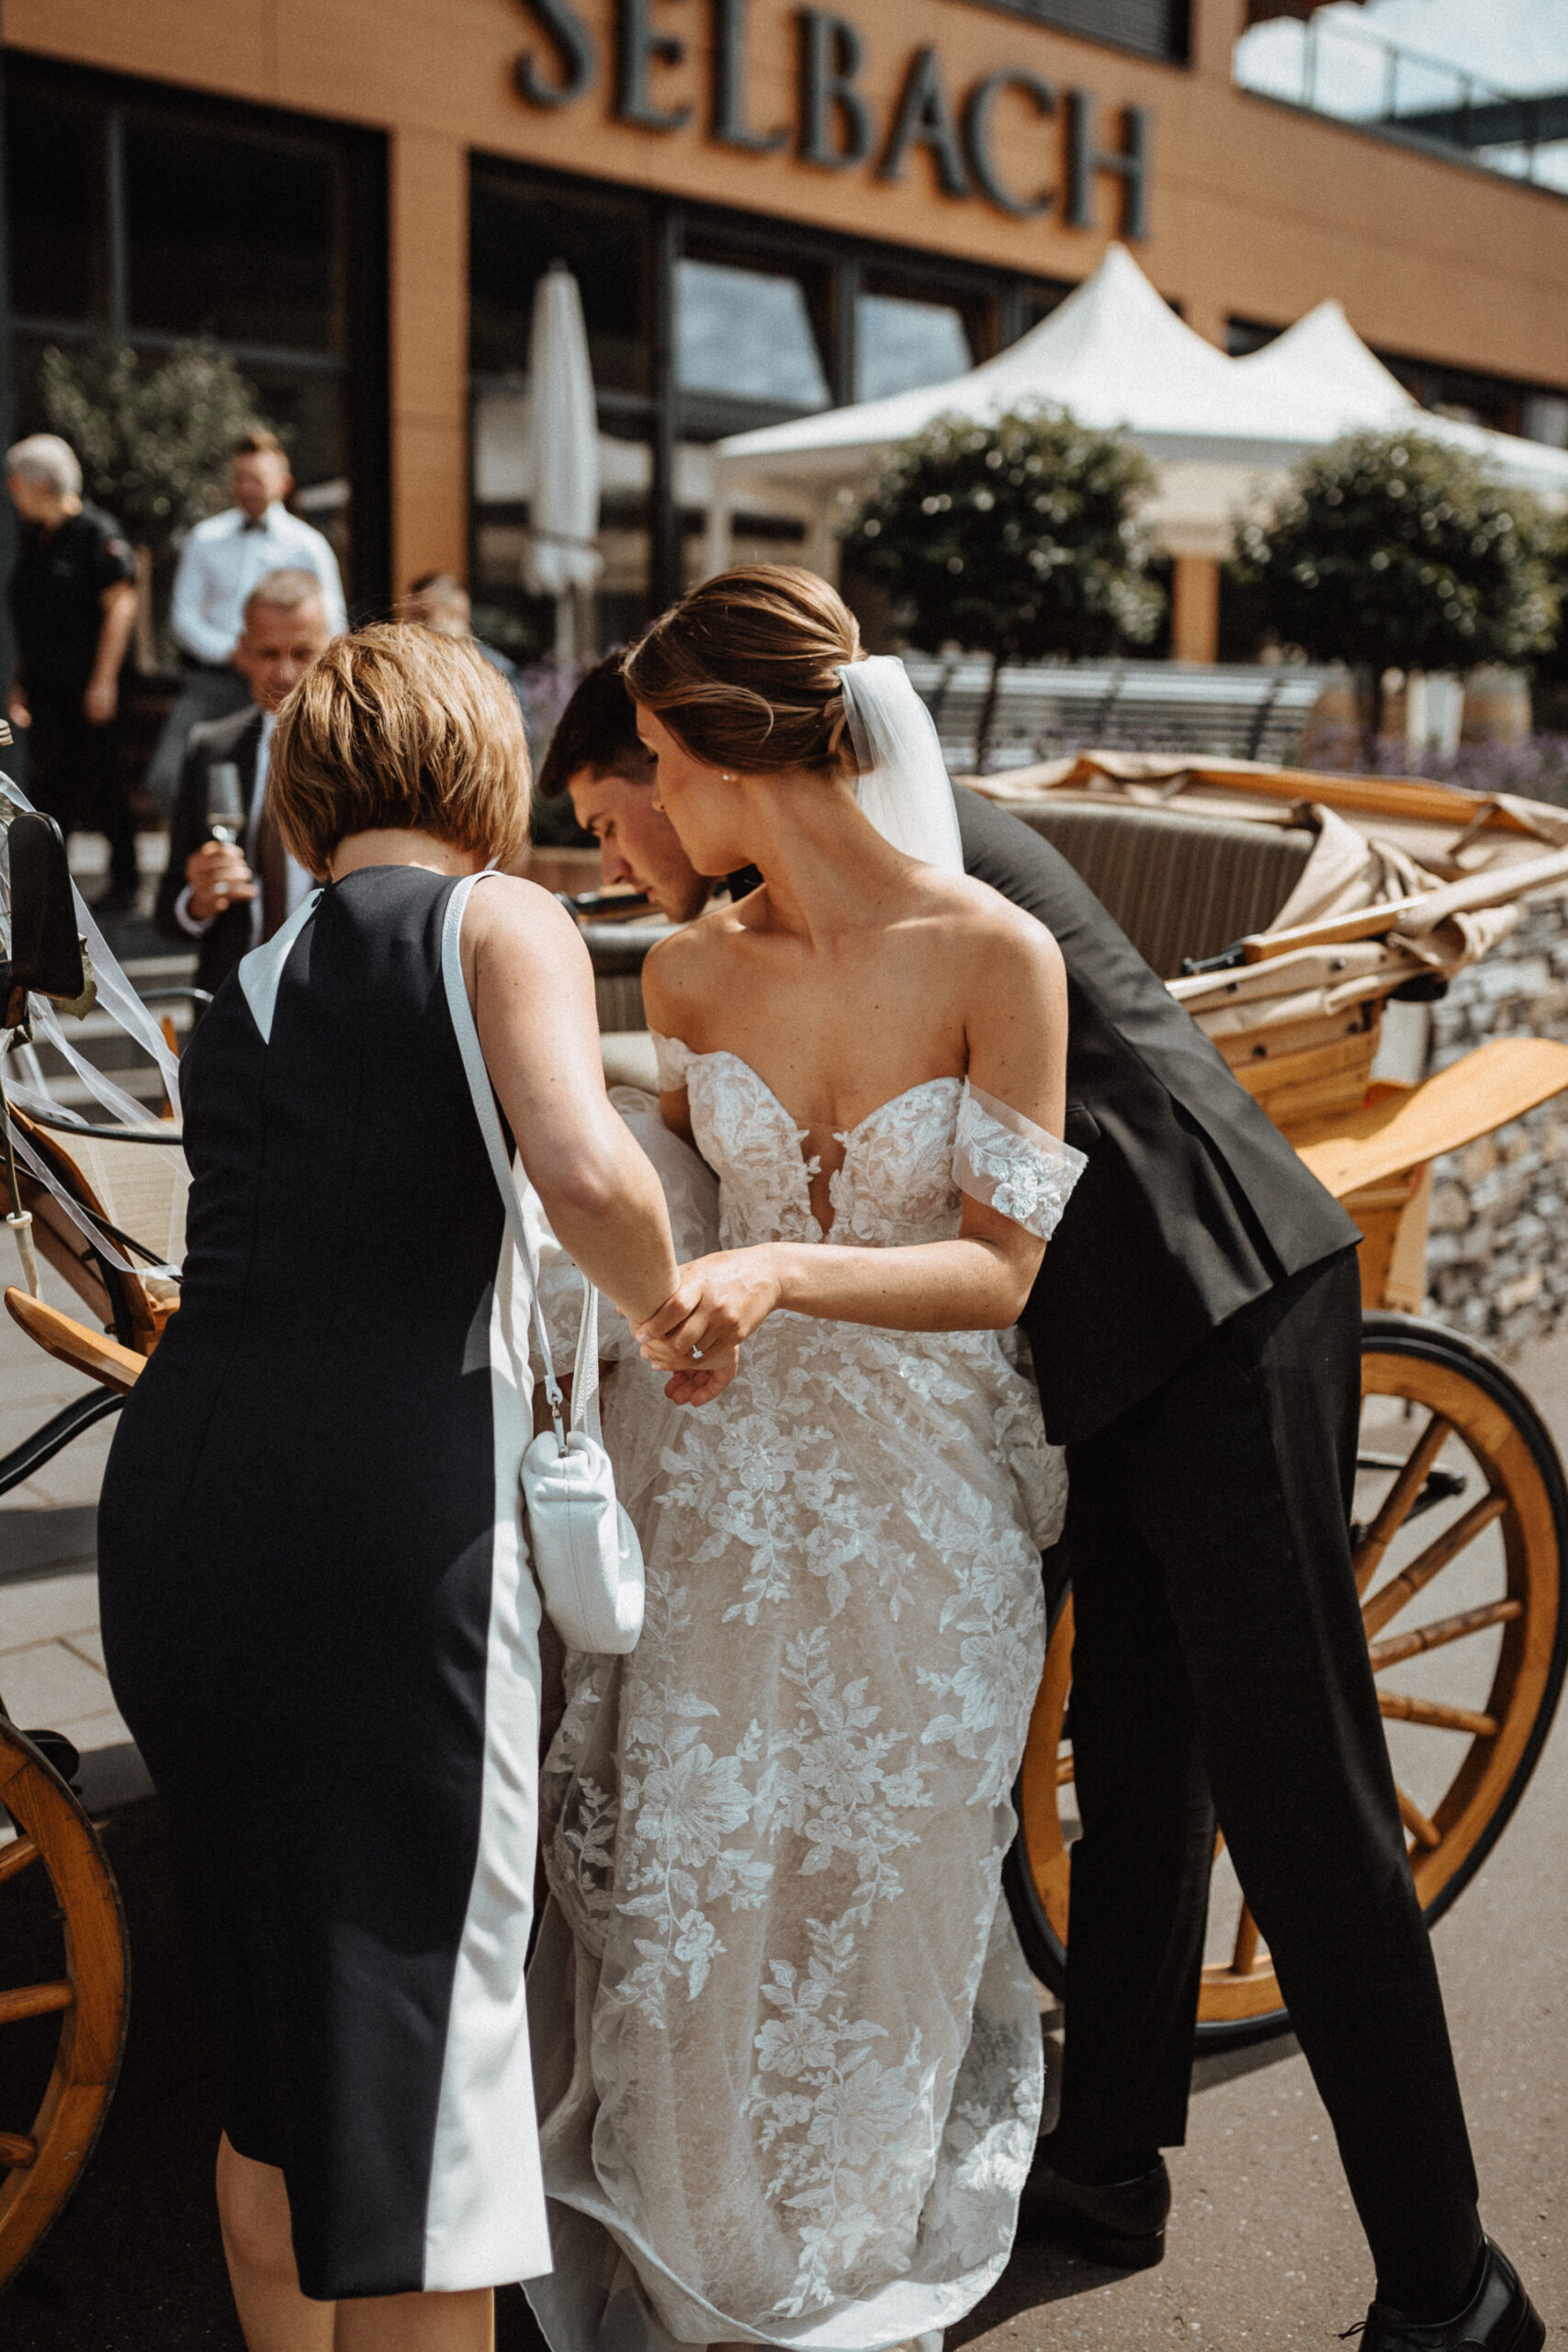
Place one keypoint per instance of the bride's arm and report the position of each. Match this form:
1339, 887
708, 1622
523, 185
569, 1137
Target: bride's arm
977, 1282
1016, 1031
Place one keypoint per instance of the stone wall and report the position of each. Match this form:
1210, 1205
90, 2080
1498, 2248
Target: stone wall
1497, 1255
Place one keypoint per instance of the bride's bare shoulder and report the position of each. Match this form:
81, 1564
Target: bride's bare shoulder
685, 968
978, 920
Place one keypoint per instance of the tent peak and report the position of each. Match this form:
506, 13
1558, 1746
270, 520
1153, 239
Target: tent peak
1321, 363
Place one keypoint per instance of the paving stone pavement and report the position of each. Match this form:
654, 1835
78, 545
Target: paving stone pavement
51, 1661
1264, 2249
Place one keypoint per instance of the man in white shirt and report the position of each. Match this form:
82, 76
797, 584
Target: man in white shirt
220, 564
229, 894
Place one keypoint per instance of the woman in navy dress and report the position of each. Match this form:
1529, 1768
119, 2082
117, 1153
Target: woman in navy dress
317, 1611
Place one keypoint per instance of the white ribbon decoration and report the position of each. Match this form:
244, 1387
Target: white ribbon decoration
120, 1000
115, 994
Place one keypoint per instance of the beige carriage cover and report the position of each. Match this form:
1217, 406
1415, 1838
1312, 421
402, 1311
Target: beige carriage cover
1452, 869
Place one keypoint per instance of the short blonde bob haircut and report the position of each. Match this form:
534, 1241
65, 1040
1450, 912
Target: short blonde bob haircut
744, 672
397, 726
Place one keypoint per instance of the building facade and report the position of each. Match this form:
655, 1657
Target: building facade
769, 207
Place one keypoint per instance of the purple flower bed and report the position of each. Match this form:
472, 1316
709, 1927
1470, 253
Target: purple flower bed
1537, 768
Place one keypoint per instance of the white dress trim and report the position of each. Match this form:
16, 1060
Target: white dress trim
261, 972
1014, 1166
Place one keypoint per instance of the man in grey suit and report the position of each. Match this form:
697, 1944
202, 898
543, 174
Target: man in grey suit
226, 897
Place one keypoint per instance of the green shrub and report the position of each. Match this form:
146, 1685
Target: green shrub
1020, 538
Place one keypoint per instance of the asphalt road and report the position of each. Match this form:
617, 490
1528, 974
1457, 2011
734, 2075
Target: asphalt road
1264, 2250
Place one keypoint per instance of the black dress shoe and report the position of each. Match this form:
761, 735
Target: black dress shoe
1122, 2225
1499, 2317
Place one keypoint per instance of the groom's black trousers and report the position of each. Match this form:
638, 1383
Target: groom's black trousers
1220, 1666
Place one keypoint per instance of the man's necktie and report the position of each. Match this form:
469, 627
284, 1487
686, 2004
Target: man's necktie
272, 862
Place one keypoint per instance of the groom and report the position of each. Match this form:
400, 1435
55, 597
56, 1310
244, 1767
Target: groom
1208, 1401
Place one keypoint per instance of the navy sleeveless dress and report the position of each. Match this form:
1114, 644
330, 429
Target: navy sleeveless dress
317, 1618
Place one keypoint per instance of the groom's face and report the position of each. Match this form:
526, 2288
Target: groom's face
637, 841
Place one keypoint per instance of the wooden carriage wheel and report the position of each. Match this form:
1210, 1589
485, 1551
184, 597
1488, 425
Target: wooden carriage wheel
1460, 1540
63, 1972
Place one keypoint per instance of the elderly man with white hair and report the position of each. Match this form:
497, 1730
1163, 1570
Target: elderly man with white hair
72, 607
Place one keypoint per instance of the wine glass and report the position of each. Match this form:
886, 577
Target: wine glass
225, 803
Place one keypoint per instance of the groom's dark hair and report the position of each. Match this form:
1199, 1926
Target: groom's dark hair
596, 731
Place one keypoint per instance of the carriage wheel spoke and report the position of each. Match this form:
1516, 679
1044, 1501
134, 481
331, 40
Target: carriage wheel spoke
15, 1857
1402, 1708
1425, 1832
35, 2000
1064, 1769
1243, 1955
1398, 1500
16, 2152
1391, 1598
1444, 1629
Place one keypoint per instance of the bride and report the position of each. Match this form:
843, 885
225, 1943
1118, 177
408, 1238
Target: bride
789, 2053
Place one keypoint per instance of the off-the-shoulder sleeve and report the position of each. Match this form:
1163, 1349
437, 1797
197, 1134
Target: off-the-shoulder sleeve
1003, 1158
674, 1060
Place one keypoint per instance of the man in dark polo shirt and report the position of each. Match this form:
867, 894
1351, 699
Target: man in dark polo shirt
73, 607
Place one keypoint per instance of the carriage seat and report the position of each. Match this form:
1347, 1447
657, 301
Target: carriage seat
1179, 885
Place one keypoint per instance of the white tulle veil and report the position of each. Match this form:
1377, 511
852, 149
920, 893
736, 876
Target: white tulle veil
903, 784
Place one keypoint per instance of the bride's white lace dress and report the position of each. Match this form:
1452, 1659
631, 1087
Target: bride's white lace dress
789, 2053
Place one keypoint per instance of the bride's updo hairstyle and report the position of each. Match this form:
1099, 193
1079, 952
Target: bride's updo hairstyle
744, 672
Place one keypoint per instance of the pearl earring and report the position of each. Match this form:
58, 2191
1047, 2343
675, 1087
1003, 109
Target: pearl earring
725, 776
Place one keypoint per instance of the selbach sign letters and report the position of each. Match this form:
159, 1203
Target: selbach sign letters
835, 124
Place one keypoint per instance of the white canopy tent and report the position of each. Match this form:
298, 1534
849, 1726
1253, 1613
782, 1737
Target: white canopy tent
1220, 432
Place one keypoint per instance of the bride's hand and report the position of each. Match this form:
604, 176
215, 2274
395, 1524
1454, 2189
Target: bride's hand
717, 1303
699, 1383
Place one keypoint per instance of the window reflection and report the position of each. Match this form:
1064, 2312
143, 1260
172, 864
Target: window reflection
902, 343
746, 333
232, 236
515, 234
55, 175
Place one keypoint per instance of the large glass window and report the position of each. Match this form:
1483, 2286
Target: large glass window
901, 344
516, 229
1152, 27
54, 172
148, 219
701, 323
231, 235
747, 333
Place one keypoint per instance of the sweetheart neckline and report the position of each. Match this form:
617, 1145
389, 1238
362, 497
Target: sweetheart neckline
840, 1134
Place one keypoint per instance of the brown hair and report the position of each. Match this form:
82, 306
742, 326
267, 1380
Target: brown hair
744, 671
259, 442
397, 726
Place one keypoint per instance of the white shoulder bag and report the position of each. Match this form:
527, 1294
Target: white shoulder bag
584, 1548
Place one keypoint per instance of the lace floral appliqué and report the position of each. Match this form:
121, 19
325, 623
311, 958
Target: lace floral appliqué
1003, 1158
796, 2048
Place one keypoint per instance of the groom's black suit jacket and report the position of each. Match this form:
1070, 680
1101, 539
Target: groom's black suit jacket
1192, 1203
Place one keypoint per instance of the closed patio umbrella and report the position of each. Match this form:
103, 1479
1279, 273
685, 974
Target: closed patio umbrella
563, 455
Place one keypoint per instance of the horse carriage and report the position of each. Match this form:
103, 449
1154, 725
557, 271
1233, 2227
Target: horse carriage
1306, 922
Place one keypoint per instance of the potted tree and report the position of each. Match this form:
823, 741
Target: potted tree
1395, 551
155, 444
1020, 539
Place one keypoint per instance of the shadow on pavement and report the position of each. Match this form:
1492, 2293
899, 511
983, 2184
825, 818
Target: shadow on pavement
135, 2264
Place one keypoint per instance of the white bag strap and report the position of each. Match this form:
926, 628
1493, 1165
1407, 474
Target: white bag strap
585, 1377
